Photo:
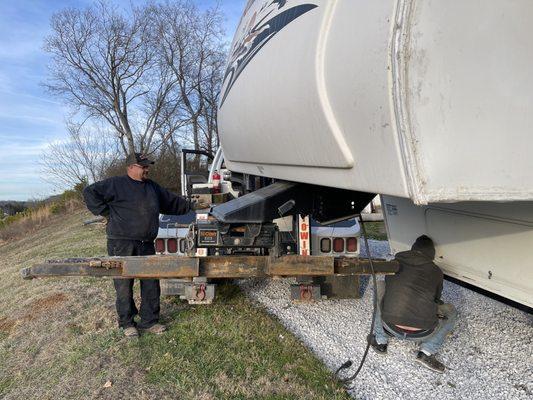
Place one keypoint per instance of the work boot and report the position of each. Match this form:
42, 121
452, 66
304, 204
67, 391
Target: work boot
131, 332
430, 362
156, 329
378, 348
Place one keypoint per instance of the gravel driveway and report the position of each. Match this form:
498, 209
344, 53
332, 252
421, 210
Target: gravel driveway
489, 354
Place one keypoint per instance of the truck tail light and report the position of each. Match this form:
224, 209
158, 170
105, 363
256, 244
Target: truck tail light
351, 245
172, 245
325, 245
338, 245
216, 182
159, 246
182, 245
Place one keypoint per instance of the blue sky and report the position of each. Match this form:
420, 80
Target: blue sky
29, 117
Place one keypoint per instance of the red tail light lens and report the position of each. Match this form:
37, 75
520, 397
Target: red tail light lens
159, 246
338, 245
325, 245
172, 245
351, 245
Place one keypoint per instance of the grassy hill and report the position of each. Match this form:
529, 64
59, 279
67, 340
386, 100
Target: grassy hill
59, 338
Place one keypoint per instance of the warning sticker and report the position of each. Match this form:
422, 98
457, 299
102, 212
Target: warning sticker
304, 239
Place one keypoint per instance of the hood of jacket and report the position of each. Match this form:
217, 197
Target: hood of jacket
425, 246
412, 257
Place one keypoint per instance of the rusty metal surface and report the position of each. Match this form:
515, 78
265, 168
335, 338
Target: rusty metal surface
301, 265
48, 270
233, 266
160, 266
305, 293
172, 266
108, 263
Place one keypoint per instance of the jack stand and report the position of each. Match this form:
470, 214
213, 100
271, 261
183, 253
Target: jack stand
305, 290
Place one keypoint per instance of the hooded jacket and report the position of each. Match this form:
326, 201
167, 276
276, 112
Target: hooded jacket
412, 294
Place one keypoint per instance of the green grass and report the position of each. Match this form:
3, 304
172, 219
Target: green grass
376, 230
260, 359
59, 339
5, 384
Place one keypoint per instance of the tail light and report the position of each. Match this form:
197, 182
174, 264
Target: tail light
172, 245
338, 245
182, 245
351, 245
159, 246
325, 245
216, 182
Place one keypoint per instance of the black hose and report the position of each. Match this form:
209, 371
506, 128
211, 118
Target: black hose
349, 363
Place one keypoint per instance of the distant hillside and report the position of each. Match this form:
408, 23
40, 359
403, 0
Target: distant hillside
11, 207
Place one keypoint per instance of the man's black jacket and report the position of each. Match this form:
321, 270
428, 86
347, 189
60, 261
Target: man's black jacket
412, 294
132, 207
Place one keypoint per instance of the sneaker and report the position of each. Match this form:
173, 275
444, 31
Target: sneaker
156, 329
430, 362
378, 348
131, 332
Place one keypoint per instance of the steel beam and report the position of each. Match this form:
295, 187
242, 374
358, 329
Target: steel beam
161, 267
172, 266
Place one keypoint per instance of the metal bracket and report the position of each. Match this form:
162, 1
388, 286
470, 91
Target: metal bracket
305, 293
199, 291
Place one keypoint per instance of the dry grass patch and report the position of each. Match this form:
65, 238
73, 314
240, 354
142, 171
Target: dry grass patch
18, 225
6, 325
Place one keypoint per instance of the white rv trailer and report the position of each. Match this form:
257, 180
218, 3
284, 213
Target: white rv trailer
428, 103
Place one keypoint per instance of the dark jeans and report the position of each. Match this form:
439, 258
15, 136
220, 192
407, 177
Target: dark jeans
150, 290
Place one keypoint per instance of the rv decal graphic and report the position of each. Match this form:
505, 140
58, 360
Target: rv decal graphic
262, 26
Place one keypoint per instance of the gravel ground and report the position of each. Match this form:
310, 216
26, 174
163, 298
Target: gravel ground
489, 355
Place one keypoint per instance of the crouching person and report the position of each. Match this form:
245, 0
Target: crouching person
411, 308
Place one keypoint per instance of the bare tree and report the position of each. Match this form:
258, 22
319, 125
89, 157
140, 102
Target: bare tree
105, 65
210, 90
150, 77
85, 156
191, 43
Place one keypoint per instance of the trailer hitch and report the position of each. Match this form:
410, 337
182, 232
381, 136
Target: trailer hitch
306, 292
200, 292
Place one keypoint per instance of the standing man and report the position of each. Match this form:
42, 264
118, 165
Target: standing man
410, 307
131, 204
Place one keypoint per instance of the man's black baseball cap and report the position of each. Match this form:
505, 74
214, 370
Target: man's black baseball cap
138, 158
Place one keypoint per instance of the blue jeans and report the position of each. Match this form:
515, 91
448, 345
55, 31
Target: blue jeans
430, 343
